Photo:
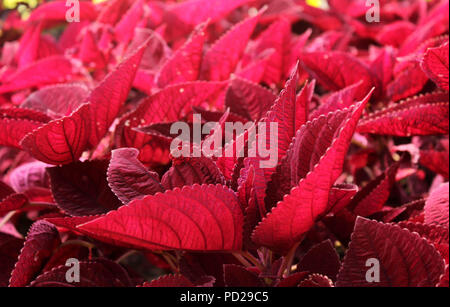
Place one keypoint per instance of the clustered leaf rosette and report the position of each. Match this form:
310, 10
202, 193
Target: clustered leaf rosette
361, 110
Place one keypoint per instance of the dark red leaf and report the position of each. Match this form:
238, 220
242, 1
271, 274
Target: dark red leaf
374, 195
406, 260
238, 276
170, 281
292, 280
321, 259
95, 273
128, 178
192, 171
81, 188
10, 247
57, 100
316, 281
41, 241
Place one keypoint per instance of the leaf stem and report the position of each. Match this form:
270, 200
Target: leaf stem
242, 260
170, 262
287, 261
253, 260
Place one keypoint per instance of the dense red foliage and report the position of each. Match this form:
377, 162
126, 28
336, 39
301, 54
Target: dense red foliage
362, 111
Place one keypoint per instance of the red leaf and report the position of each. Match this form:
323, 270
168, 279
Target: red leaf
422, 115
319, 151
342, 99
252, 183
12, 202
29, 45
26, 114
303, 104
443, 282
56, 11
57, 100
407, 83
128, 178
337, 70
300, 157
112, 10
129, 22
5, 190
288, 115
340, 196
436, 161
406, 260
71, 223
238, 276
184, 66
193, 12
156, 53
373, 196
222, 58
16, 123
436, 207
60, 141
166, 106
51, 70
383, 67
194, 218
433, 233
435, 65
107, 98
249, 100
395, 33
41, 241
82, 189
276, 37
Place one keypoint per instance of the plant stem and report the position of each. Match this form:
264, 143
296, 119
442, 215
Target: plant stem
6, 218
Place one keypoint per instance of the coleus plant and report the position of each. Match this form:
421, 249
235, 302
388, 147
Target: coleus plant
362, 114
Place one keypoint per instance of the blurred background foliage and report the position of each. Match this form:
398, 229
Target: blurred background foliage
25, 6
